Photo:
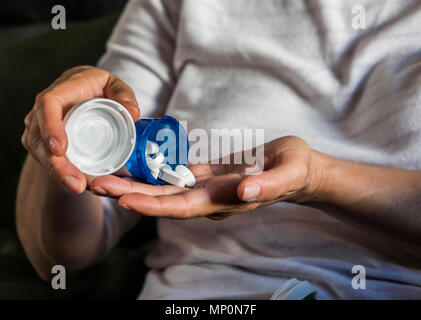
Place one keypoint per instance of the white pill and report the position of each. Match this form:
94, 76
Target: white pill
155, 173
151, 147
170, 176
186, 174
153, 164
159, 157
166, 166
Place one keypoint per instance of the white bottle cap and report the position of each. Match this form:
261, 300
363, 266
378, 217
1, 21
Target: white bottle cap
101, 136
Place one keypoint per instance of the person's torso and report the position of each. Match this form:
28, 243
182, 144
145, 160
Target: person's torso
295, 68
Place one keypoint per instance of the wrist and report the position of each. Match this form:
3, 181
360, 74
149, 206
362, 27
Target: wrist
321, 168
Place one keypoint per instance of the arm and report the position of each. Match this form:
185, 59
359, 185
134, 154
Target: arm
58, 221
383, 200
57, 226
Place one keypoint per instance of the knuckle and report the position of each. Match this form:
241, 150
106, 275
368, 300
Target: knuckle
32, 143
292, 138
39, 97
27, 120
28, 146
51, 168
42, 99
87, 74
101, 72
76, 69
45, 99
47, 96
131, 185
82, 67
78, 76
293, 142
124, 93
23, 139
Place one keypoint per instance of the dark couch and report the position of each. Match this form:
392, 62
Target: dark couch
27, 66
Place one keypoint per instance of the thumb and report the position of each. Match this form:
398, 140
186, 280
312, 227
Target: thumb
119, 91
281, 179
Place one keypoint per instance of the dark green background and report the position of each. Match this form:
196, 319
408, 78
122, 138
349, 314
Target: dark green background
28, 64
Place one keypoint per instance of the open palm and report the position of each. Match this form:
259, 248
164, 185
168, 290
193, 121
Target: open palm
221, 189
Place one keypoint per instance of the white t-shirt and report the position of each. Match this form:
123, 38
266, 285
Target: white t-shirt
292, 68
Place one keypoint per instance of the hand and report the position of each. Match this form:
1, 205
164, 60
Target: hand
45, 137
221, 189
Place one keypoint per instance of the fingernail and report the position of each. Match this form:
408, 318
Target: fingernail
99, 191
73, 183
251, 192
53, 143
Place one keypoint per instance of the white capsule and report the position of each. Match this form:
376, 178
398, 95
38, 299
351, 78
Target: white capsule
186, 174
151, 147
170, 176
155, 173
166, 166
159, 157
153, 164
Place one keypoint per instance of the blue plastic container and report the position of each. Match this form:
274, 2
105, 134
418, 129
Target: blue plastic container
171, 138
103, 139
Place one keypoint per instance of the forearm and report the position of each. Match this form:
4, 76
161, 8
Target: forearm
56, 226
383, 200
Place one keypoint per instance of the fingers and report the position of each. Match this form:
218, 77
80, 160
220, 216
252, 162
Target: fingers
27, 122
184, 205
49, 113
58, 167
285, 177
73, 87
28, 118
219, 195
113, 186
45, 136
119, 91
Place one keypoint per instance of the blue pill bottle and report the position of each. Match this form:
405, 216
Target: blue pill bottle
103, 139
171, 138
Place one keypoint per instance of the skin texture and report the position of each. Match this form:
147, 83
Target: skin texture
45, 137
53, 209
58, 222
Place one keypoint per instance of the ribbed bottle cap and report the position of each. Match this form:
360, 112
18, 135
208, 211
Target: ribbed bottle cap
101, 136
